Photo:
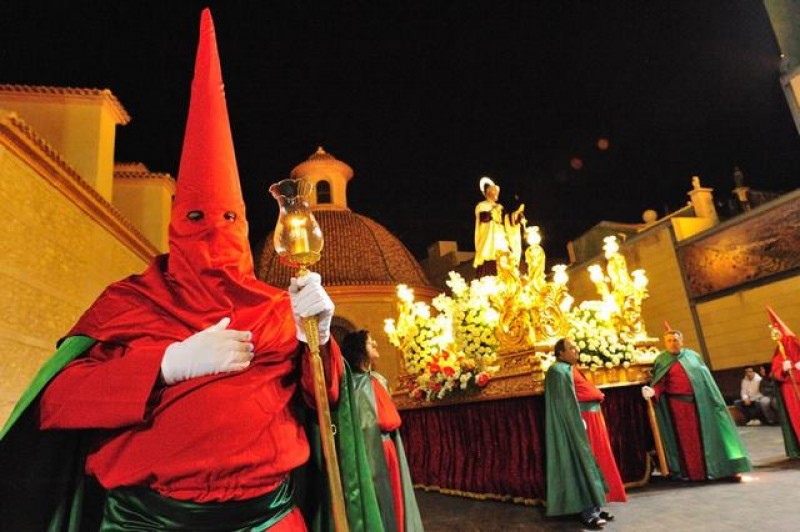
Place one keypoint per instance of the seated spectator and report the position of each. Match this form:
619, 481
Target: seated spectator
753, 404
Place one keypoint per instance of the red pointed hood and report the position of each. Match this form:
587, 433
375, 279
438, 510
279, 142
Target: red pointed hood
208, 273
208, 180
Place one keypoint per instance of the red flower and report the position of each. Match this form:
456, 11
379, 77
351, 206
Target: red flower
482, 379
435, 387
418, 393
434, 367
448, 371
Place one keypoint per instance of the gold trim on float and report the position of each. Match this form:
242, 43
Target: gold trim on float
483, 496
525, 500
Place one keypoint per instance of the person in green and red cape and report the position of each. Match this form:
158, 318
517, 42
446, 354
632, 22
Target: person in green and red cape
589, 398
575, 483
785, 369
380, 424
172, 403
699, 436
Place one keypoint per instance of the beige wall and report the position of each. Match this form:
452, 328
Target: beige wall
735, 326
147, 203
54, 261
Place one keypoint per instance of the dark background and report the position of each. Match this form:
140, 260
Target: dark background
423, 98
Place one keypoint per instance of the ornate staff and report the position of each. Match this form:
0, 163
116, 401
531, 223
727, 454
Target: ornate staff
662, 459
298, 241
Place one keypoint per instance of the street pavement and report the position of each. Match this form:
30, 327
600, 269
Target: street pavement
767, 499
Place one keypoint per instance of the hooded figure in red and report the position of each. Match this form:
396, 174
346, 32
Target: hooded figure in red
197, 362
785, 369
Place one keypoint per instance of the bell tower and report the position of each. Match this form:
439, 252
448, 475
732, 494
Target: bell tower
329, 176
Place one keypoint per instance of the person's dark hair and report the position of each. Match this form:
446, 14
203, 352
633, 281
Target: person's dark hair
560, 346
354, 349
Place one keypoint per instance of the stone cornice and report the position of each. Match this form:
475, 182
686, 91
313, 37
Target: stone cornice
20, 139
165, 179
43, 92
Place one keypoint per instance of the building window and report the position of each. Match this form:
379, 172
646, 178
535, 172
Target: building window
323, 192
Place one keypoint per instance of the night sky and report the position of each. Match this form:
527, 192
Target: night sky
423, 98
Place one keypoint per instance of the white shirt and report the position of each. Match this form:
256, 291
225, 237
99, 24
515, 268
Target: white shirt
750, 388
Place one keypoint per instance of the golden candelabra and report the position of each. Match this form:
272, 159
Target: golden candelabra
622, 292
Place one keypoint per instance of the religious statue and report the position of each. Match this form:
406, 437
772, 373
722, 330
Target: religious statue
495, 233
535, 259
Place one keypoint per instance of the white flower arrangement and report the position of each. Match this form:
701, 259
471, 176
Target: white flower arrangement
599, 343
455, 350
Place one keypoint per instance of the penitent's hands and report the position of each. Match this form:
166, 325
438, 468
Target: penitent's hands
216, 349
309, 298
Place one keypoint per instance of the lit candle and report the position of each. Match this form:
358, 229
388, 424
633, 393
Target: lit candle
298, 237
560, 276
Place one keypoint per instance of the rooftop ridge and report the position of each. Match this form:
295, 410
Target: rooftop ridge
117, 108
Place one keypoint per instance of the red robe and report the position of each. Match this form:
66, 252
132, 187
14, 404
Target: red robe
789, 390
215, 438
597, 432
388, 421
684, 419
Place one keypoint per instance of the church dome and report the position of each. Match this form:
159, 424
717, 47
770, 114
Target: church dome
358, 251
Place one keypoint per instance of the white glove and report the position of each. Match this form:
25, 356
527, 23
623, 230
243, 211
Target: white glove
787, 365
310, 299
208, 352
648, 392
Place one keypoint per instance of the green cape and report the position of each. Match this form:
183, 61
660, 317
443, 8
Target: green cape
725, 454
43, 486
574, 480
